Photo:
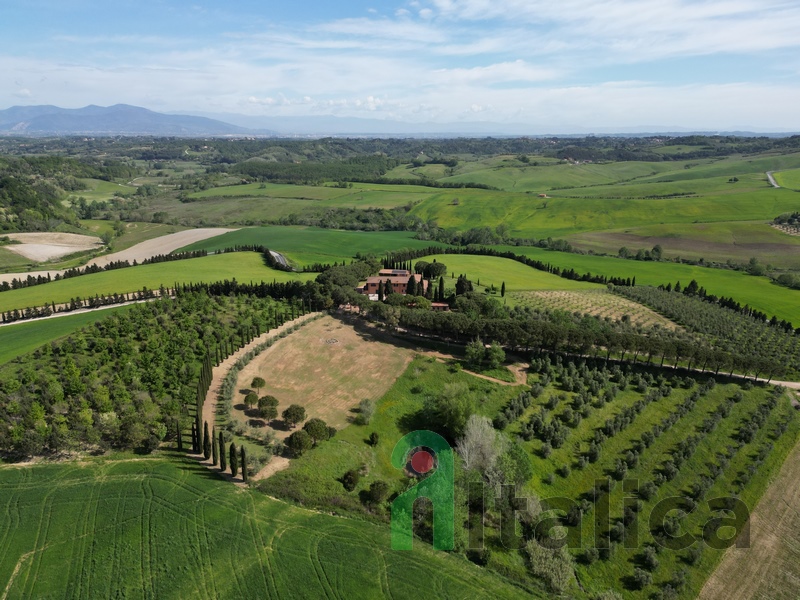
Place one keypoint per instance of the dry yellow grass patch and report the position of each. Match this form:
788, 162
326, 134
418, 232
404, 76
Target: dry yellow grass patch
328, 367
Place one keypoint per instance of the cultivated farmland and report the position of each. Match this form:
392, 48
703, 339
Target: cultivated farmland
309, 245
167, 528
599, 302
242, 266
490, 270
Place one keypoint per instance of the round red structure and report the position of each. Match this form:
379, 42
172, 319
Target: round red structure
422, 461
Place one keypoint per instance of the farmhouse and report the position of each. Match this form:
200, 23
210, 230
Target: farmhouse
398, 280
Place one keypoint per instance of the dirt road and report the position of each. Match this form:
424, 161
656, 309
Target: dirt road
772, 179
218, 375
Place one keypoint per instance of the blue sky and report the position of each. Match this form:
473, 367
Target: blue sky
571, 65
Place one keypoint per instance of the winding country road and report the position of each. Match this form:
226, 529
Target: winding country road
772, 179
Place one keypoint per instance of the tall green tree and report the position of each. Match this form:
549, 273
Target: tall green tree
223, 459
503, 290
411, 286
206, 442
214, 447
245, 475
234, 458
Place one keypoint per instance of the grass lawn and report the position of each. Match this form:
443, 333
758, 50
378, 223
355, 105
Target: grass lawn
243, 266
308, 245
21, 338
758, 292
169, 528
493, 270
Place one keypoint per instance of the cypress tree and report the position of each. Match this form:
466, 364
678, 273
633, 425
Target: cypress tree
503, 289
194, 437
214, 448
440, 295
380, 290
223, 459
411, 287
234, 460
180, 436
206, 442
244, 464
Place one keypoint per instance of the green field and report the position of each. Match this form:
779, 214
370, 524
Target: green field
243, 266
490, 270
99, 190
527, 215
20, 338
758, 292
10, 261
789, 179
157, 528
308, 245
713, 242
258, 203
547, 177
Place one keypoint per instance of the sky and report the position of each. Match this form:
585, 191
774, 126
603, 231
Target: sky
553, 66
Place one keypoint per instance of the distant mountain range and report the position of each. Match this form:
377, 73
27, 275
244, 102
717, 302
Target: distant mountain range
120, 119
123, 119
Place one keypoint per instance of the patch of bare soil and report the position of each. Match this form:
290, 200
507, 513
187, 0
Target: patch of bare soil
139, 252
275, 465
42, 247
161, 245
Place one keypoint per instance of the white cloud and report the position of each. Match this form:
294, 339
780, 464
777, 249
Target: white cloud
442, 60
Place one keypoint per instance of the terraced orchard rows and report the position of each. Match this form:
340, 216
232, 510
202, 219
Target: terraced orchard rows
741, 339
635, 461
599, 303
